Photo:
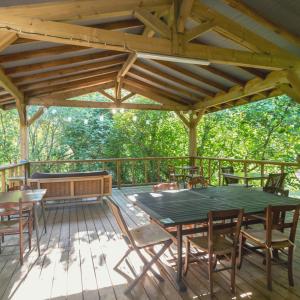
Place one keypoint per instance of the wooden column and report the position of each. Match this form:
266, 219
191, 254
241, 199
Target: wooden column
191, 124
24, 144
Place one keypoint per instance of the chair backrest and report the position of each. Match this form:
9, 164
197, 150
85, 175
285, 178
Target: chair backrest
164, 186
275, 219
13, 208
197, 180
224, 222
120, 220
228, 169
275, 183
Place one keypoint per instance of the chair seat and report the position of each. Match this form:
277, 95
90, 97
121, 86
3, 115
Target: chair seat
148, 235
260, 236
221, 244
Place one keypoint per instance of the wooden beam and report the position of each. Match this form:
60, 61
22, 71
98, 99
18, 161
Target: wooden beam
184, 12
153, 95
252, 87
97, 80
197, 77
70, 93
127, 97
153, 22
162, 84
6, 39
57, 50
119, 41
173, 99
8, 85
198, 30
184, 120
63, 72
36, 116
237, 32
70, 79
14, 71
127, 65
103, 105
70, 10
108, 96
290, 91
150, 69
223, 74
255, 15
293, 77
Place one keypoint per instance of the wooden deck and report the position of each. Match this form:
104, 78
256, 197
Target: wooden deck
82, 245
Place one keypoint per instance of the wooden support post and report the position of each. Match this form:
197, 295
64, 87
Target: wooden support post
24, 145
262, 173
3, 181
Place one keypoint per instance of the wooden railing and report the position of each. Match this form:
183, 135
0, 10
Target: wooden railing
13, 170
150, 170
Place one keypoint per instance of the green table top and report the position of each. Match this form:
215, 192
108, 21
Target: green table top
171, 208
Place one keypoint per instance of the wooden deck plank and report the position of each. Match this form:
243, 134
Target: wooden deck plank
83, 244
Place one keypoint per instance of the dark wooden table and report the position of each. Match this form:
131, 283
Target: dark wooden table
246, 177
34, 196
178, 208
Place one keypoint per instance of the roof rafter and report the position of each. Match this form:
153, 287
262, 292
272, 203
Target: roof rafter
88, 10
119, 41
237, 32
246, 10
8, 85
184, 12
252, 87
6, 39
153, 22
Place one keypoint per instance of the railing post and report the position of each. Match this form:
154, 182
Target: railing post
119, 174
245, 168
262, 173
133, 172
209, 171
145, 171
158, 170
220, 172
3, 181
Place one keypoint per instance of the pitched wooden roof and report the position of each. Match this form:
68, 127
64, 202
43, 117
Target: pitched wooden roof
241, 52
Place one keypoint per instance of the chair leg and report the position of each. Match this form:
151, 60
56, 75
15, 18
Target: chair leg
187, 255
242, 241
210, 273
30, 231
290, 265
268, 268
233, 265
156, 275
123, 257
147, 267
21, 246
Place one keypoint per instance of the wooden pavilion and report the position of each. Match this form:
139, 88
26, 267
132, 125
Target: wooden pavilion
186, 56
192, 57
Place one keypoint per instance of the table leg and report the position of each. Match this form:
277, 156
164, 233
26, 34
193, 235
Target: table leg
37, 230
44, 215
180, 284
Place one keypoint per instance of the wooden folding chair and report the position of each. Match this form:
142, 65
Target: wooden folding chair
143, 237
272, 238
173, 176
16, 226
275, 184
222, 240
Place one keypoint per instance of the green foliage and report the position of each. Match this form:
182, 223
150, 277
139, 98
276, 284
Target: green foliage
267, 129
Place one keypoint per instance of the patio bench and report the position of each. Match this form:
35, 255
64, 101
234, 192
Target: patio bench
70, 186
